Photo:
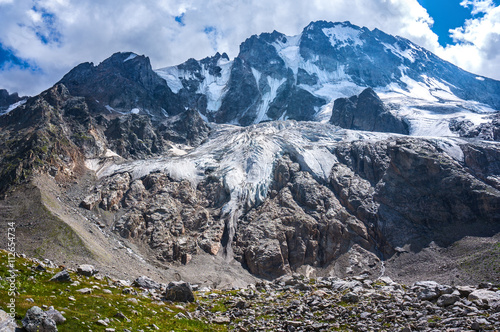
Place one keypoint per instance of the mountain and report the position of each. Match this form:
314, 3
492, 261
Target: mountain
124, 83
9, 101
281, 77
341, 151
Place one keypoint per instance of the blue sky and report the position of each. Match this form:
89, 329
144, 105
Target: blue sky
41, 40
447, 15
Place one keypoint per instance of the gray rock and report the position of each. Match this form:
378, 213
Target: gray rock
84, 290
145, 282
465, 290
484, 296
62, 276
38, 321
55, 315
447, 299
350, 298
86, 270
7, 322
179, 291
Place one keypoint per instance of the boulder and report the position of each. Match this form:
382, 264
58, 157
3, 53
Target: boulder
484, 296
447, 299
179, 292
55, 315
62, 276
7, 322
36, 320
86, 270
145, 282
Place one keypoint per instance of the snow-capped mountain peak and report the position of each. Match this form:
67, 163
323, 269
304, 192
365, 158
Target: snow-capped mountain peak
298, 77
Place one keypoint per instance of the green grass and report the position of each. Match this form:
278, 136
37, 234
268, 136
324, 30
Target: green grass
83, 314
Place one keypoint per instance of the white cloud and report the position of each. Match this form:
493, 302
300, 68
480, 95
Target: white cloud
477, 47
93, 30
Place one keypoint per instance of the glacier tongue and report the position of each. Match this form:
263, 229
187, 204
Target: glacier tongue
244, 158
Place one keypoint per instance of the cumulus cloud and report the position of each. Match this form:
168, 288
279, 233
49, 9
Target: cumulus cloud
477, 47
55, 35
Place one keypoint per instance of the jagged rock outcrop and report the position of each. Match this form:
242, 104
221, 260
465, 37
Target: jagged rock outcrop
187, 128
174, 219
125, 83
367, 112
7, 99
489, 131
414, 192
301, 223
57, 131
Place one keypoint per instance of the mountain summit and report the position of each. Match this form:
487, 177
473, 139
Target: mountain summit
299, 77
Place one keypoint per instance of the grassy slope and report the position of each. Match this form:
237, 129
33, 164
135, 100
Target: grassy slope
83, 313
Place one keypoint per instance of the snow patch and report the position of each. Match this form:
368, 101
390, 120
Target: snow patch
268, 97
14, 106
290, 52
172, 76
451, 147
110, 109
135, 111
256, 74
214, 87
341, 36
402, 54
130, 57
479, 78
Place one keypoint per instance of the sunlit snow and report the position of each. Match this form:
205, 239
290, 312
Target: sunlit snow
341, 36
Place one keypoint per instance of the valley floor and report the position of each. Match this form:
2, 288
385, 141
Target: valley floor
293, 303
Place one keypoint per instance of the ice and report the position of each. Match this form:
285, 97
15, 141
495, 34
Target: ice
341, 36
451, 146
268, 97
479, 78
325, 113
403, 54
14, 106
130, 57
171, 75
289, 52
214, 86
256, 74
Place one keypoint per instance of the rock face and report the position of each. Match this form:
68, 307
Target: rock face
172, 218
367, 112
123, 83
302, 223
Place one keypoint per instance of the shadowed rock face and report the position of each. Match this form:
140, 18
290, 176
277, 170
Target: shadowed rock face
366, 112
123, 82
7, 99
